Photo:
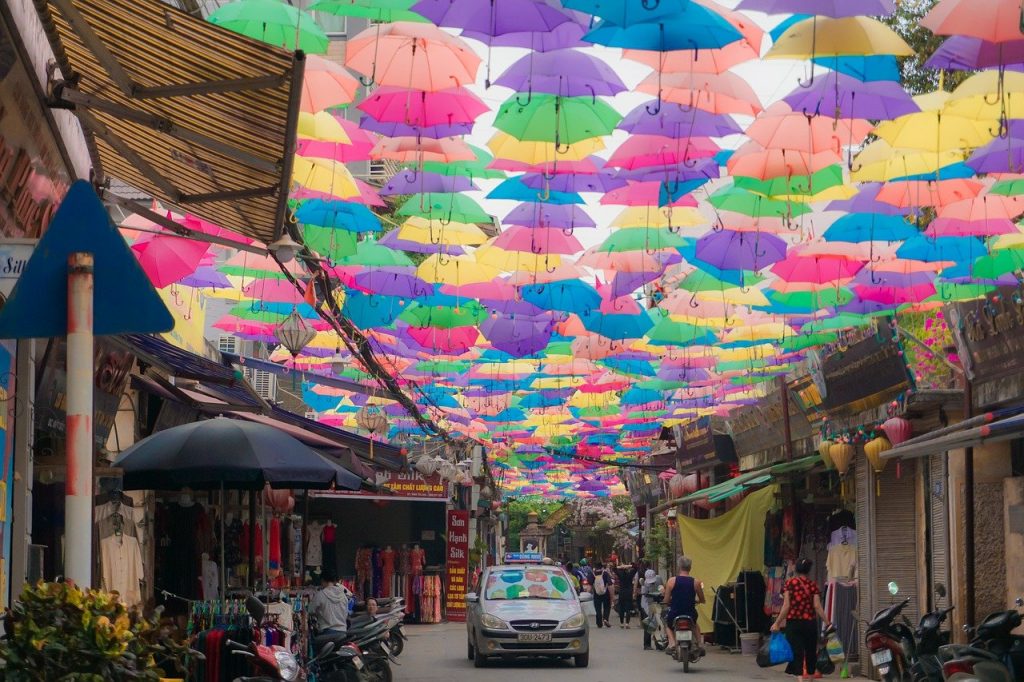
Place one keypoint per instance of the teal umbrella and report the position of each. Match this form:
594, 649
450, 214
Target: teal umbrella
274, 22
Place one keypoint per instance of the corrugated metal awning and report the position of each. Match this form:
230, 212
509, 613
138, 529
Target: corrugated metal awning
193, 114
1004, 429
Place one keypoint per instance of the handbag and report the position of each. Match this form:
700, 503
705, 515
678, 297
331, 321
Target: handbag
650, 623
825, 665
834, 646
775, 651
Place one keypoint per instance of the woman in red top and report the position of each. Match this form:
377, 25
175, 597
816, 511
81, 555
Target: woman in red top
800, 605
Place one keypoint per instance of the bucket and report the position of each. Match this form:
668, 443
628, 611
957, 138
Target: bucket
749, 642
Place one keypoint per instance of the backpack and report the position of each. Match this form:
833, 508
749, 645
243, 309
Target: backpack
599, 585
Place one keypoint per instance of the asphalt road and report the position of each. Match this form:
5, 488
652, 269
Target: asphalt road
438, 652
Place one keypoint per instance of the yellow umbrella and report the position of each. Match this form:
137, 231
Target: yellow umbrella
322, 126
325, 176
557, 382
650, 216
1007, 241
584, 400
736, 296
758, 352
830, 194
828, 37
510, 261
505, 146
880, 162
989, 94
934, 130
454, 270
426, 231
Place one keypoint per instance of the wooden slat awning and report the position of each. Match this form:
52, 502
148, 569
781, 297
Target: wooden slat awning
191, 113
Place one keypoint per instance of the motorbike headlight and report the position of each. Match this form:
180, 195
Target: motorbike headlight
493, 622
287, 665
573, 622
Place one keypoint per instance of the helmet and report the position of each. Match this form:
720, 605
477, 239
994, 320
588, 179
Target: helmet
583, 562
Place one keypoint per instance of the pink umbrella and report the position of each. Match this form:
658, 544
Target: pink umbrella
982, 216
422, 149
724, 93
273, 291
815, 269
644, 151
326, 84
453, 341
420, 108
753, 161
537, 240
358, 149
367, 195
646, 193
167, 260
895, 295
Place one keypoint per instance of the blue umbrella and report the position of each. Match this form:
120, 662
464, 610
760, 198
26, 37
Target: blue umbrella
340, 215
570, 296
878, 67
616, 327
690, 30
515, 190
866, 227
367, 311
956, 249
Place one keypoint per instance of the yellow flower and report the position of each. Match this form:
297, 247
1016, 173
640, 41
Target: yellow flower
39, 644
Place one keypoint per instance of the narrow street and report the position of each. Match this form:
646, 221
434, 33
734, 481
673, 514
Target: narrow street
438, 652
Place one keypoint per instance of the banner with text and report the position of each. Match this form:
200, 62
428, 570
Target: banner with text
410, 486
457, 570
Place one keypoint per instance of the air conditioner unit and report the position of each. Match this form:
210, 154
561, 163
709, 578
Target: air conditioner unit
310, 414
265, 384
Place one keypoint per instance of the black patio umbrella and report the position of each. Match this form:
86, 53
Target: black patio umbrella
223, 453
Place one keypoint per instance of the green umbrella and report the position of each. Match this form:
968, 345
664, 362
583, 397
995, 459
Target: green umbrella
643, 239
328, 242
998, 263
801, 341
248, 311
381, 11
445, 207
606, 411
578, 118
739, 200
809, 301
797, 185
476, 168
669, 331
661, 385
839, 322
700, 280
740, 365
368, 252
951, 291
1008, 188
444, 317
274, 22
442, 366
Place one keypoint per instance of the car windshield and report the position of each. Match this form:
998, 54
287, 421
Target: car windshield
528, 583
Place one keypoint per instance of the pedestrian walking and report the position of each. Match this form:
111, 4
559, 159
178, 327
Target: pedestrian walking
625, 605
651, 590
604, 587
801, 606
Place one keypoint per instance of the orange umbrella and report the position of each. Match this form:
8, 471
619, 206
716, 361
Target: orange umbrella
997, 21
724, 93
326, 84
779, 127
411, 55
908, 193
701, 61
422, 149
753, 161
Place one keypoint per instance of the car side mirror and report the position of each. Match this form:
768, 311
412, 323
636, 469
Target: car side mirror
586, 596
472, 598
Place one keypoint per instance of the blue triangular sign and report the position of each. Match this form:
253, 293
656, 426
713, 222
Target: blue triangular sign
125, 301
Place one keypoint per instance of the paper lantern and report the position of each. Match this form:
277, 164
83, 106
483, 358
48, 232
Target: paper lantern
841, 454
426, 465
277, 499
823, 450
705, 503
677, 486
692, 483
897, 429
873, 449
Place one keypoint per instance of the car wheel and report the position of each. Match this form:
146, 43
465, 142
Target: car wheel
479, 660
582, 660
470, 651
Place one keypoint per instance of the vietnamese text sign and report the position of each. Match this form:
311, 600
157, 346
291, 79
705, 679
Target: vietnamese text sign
457, 570
400, 485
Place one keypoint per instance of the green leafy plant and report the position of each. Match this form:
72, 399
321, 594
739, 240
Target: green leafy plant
657, 547
59, 632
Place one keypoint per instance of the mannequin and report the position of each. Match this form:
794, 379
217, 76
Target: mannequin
330, 556
387, 561
210, 577
314, 546
417, 560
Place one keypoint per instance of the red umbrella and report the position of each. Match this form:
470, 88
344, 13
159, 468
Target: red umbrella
167, 260
938, 193
420, 108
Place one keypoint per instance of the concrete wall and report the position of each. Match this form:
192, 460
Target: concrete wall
1013, 496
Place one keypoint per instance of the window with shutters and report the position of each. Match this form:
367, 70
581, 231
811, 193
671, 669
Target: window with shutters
227, 344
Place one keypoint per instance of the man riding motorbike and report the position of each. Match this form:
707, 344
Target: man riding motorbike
683, 592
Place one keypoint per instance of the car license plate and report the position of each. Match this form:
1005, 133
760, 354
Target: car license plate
686, 635
881, 657
357, 662
535, 637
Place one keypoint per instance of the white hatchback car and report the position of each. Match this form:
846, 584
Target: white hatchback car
527, 610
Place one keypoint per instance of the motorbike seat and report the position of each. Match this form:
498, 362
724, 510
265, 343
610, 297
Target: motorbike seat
999, 624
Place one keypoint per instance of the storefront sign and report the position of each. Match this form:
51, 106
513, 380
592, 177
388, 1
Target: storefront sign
991, 333
401, 485
866, 373
698, 444
457, 567
113, 367
14, 254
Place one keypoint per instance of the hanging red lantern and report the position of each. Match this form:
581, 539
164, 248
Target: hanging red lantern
677, 485
692, 483
897, 429
277, 499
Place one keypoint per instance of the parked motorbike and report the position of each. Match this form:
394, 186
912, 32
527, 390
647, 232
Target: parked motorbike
688, 649
891, 643
345, 664
271, 663
995, 653
371, 640
392, 611
925, 664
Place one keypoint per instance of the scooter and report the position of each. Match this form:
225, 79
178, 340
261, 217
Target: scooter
891, 643
271, 663
995, 653
371, 641
925, 664
345, 664
392, 611
688, 649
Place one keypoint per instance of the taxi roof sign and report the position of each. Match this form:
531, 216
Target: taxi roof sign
524, 558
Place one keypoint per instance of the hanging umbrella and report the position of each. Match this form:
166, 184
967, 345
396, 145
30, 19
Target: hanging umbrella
326, 84
425, 231
827, 37
381, 11
421, 108
816, 269
445, 207
677, 122
827, 8
340, 215
552, 118
568, 73
840, 96
357, 149
687, 25
415, 150
325, 176
542, 154
964, 53
996, 21
779, 127
227, 453
274, 22
169, 259
321, 126
728, 250
752, 161
566, 217
492, 18
411, 55
723, 93
397, 129
866, 227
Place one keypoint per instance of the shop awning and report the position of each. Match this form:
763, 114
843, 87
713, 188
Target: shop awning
991, 432
191, 113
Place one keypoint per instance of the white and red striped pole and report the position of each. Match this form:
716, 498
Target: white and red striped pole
79, 390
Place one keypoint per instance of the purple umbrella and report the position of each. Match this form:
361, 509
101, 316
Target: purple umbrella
729, 250
518, 335
703, 168
511, 307
393, 129
825, 8
562, 72
493, 18
1003, 154
865, 202
564, 35
207, 277
392, 241
396, 281
674, 121
627, 282
410, 182
963, 53
573, 182
838, 95
566, 216
871, 278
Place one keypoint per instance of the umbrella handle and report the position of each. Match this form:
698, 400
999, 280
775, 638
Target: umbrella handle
441, 259
693, 300
567, 231
805, 84
650, 4
529, 96
657, 106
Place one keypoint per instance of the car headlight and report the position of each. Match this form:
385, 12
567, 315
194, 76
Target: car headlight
573, 622
287, 665
493, 622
